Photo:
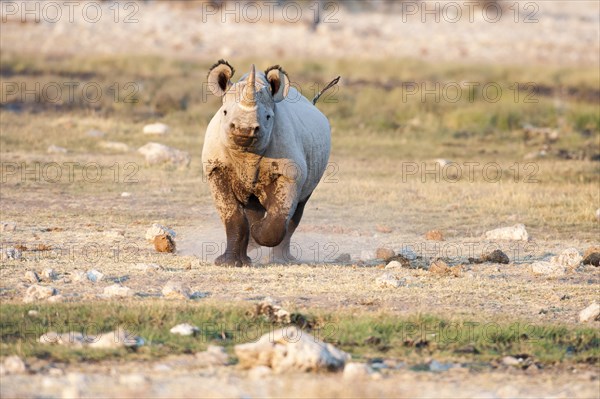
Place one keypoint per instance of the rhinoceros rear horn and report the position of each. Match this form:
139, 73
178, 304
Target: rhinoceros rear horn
219, 78
279, 82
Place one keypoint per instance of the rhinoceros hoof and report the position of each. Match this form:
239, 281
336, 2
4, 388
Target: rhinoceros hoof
230, 259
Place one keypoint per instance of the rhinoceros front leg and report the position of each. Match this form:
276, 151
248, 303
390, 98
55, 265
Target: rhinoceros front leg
233, 217
280, 203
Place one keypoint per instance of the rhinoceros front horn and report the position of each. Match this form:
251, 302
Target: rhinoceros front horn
249, 94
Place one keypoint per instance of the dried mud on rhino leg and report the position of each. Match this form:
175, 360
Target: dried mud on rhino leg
281, 253
235, 221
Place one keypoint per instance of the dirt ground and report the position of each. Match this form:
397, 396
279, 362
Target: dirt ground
82, 225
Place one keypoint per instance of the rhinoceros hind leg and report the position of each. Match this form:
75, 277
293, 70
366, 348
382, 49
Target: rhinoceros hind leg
281, 253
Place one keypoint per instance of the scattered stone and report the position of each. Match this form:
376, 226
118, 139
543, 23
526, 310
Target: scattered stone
388, 281
94, 276
440, 267
14, 365
125, 194
73, 338
32, 277
259, 372
516, 233
511, 361
56, 299
184, 329
48, 274
496, 256
6, 227
117, 291
272, 312
394, 265
157, 230
115, 146
54, 149
354, 371
95, 133
33, 313
343, 258
213, 356
404, 262
592, 312
147, 267
156, 128
383, 229
175, 290
156, 153
569, 258
79, 275
12, 253
164, 243
291, 349
434, 235
38, 292
548, 268
116, 339
407, 253
443, 162
592, 256
384, 253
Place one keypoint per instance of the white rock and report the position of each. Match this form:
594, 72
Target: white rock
56, 299
14, 365
38, 292
115, 146
516, 233
94, 276
6, 227
443, 162
116, 339
290, 349
184, 329
213, 356
394, 265
12, 253
354, 371
48, 274
592, 312
75, 339
125, 194
569, 258
79, 275
176, 290
147, 267
158, 230
156, 128
54, 149
548, 268
156, 153
32, 277
118, 291
95, 133
33, 313
388, 281
511, 361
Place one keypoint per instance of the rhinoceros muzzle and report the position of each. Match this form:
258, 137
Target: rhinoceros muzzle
244, 140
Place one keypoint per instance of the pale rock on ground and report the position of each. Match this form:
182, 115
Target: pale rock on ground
388, 281
117, 291
570, 258
592, 312
94, 276
125, 194
184, 329
176, 290
6, 227
12, 253
114, 146
515, 233
75, 339
354, 371
32, 277
48, 274
38, 292
548, 268
156, 153
14, 365
291, 349
158, 230
147, 267
156, 128
116, 339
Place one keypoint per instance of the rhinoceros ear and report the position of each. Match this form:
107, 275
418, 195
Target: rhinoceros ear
279, 82
219, 78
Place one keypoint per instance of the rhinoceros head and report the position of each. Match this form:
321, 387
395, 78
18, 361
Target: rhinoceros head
248, 110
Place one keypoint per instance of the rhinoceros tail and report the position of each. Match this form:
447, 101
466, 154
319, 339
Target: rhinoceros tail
329, 86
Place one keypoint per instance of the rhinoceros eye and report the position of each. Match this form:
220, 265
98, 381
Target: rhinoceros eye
268, 117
